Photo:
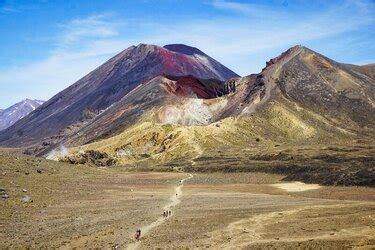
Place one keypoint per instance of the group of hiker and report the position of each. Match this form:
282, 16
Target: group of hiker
167, 213
138, 233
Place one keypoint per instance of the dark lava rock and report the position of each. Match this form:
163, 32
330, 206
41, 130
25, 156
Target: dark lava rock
91, 156
96, 154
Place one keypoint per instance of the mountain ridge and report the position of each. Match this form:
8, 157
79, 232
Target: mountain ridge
299, 96
82, 101
17, 111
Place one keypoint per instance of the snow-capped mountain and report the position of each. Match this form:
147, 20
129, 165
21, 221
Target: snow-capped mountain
17, 111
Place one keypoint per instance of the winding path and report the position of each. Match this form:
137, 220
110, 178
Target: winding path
174, 201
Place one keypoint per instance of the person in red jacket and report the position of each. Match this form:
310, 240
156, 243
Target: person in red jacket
137, 235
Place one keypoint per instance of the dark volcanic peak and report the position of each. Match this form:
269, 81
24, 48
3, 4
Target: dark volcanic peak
75, 106
184, 49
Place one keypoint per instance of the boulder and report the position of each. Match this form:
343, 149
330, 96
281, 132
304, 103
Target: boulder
26, 199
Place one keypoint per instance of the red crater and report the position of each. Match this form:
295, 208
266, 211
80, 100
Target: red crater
190, 86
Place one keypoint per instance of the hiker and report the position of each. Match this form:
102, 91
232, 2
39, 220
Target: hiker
137, 235
170, 212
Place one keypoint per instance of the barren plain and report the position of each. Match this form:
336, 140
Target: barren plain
89, 207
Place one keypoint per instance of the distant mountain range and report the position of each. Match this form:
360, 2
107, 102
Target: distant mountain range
163, 103
17, 111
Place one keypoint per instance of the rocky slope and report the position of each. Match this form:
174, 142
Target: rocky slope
300, 98
167, 99
17, 111
279, 120
299, 95
72, 108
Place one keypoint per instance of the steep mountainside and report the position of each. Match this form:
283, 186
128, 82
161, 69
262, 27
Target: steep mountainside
299, 97
344, 97
168, 99
72, 108
299, 87
304, 116
17, 111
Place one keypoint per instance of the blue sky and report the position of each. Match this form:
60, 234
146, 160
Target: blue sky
48, 45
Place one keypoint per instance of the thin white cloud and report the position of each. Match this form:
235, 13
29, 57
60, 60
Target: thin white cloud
96, 26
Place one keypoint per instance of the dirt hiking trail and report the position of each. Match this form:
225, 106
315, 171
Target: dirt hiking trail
174, 201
